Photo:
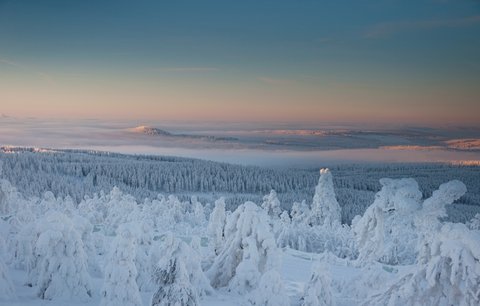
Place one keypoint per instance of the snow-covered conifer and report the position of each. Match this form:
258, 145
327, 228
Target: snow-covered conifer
427, 220
198, 212
61, 260
474, 224
319, 289
122, 208
178, 275
85, 229
8, 197
325, 208
174, 287
386, 232
271, 204
270, 291
300, 212
216, 226
143, 260
249, 250
451, 276
120, 286
6, 287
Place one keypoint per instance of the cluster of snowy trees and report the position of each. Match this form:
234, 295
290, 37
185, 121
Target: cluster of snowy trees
158, 247
79, 173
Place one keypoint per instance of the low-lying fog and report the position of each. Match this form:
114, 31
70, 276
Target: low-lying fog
284, 145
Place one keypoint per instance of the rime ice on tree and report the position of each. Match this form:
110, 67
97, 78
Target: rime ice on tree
318, 291
325, 208
271, 204
120, 286
270, 291
178, 275
61, 260
249, 250
386, 232
216, 226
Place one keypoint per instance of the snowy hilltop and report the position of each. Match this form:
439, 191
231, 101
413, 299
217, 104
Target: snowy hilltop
148, 130
112, 249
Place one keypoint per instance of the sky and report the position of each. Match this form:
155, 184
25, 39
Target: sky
389, 61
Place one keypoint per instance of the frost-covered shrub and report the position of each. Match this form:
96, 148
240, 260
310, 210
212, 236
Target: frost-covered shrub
386, 232
318, 291
178, 275
249, 250
270, 291
61, 260
325, 208
120, 286
271, 204
451, 276
216, 226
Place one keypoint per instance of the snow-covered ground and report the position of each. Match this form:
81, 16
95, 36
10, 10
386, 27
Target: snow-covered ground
295, 270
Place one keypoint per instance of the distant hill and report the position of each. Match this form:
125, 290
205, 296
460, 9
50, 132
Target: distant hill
148, 130
152, 131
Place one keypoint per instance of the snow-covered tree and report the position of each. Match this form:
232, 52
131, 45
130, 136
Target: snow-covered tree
121, 208
61, 259
474, 224
386, 232
174, 288
270, 291
120, 286
318, 291
8, 197
85, 229
143, 257
178, 275
249, 250
94, 209
428, 222
285, 218
325, 208
198, 212
216, 226
196, 244
6, 287
451, 276
300, 212
271, 204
